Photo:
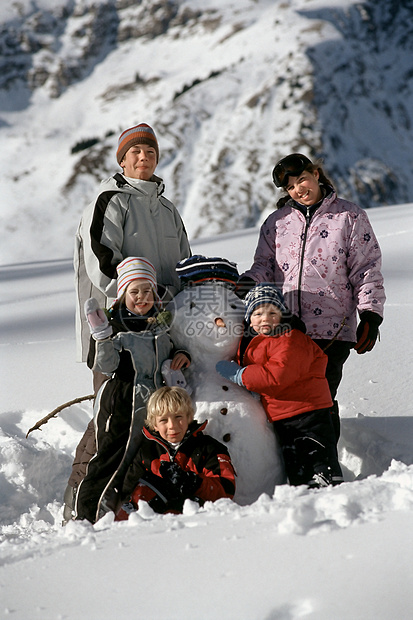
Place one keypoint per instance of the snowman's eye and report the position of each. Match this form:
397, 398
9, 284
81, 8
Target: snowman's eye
192, 304
233, 306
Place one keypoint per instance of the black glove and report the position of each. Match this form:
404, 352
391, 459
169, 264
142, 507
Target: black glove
162, 486
244, 285
185, 482
367, 331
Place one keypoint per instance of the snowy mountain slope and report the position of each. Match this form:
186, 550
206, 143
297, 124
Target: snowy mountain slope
229, 88
341, 553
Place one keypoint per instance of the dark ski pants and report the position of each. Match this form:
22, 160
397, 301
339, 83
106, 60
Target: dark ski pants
337, 353
309, 447
119, 435
84, 452
86, 447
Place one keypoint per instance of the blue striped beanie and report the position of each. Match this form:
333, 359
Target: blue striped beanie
263, 294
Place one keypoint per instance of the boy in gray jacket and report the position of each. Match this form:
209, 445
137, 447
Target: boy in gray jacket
129, 217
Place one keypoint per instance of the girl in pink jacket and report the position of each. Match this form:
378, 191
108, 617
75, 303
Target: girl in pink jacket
321, 251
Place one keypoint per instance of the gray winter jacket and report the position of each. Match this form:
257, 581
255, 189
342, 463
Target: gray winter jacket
124, 221
134, 359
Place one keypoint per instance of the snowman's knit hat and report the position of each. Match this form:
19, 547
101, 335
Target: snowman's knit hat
263, 294
198, 269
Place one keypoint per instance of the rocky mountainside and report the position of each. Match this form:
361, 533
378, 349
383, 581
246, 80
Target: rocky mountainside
229, 87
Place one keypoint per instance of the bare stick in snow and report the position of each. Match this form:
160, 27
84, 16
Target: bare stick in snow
53, 413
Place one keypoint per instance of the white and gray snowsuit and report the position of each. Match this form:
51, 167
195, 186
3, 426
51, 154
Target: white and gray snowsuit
135, 359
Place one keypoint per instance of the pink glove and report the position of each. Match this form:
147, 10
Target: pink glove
97, 320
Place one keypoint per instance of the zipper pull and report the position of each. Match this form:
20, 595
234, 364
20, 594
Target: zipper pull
107, 424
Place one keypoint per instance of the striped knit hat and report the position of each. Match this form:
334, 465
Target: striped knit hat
197, 269
140, 134
135, 268
263, 294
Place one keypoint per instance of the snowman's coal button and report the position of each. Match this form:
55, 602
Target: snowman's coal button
225, 388
227, 437
224, 411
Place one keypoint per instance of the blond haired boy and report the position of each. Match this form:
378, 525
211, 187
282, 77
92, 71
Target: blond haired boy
176, 460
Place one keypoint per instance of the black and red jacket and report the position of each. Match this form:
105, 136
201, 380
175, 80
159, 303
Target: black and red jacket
198, 453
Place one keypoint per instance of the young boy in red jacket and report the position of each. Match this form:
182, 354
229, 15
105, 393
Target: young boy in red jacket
281, 363
176, 461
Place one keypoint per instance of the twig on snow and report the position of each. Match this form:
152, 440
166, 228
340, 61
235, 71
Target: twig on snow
53, 413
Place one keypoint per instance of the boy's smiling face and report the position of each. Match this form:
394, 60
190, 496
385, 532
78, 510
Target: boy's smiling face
172, 426
265, 318
139, 162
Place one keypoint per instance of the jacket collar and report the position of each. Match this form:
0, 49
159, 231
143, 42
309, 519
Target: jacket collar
328, 196
122, 183
125, 320
193, 430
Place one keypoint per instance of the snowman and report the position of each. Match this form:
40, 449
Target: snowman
208, 323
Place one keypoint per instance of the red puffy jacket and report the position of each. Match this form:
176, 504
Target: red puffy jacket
198, 453
288, 371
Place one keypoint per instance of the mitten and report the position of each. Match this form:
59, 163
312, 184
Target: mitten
160, 485
244, 285
97, 320
231, 371
174, 377
367, 331
185, 482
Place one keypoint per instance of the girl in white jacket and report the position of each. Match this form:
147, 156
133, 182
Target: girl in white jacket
130, 349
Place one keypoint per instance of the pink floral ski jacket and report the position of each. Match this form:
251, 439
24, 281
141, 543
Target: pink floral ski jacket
327, 265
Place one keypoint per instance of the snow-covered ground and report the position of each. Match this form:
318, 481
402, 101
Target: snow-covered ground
342, 553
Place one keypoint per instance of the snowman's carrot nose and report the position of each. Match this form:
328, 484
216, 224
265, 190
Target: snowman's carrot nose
219, 322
